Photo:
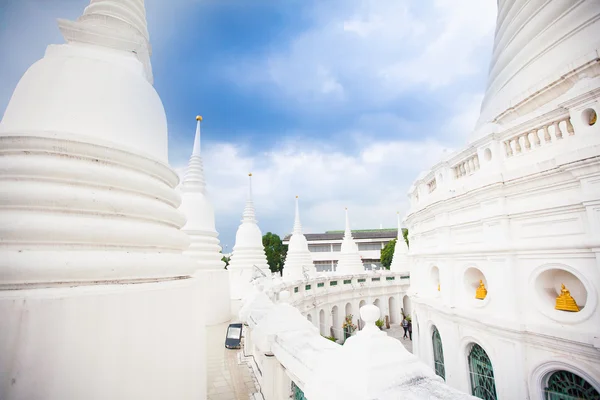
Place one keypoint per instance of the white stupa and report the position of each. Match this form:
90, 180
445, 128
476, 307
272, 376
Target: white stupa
248, 253
298, 259
200, 225
96, 296
204, 245
349, 262
400, 258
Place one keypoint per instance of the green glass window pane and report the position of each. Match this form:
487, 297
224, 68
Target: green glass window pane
481, 374
438, 354
296, 290
347, 281
320, 284
307, 287
333, 283
565, 385
374, 279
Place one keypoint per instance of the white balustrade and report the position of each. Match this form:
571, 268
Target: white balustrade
467, 166
530, 139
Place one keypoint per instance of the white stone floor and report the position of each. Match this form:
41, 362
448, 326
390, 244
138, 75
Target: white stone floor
228, 377
397, 332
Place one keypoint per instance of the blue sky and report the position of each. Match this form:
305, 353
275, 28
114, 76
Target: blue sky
341, 102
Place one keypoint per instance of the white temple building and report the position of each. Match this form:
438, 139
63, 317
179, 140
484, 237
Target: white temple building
204, 246
248, 257
96, 296
350, 262
400, 258
298, 261
505, 233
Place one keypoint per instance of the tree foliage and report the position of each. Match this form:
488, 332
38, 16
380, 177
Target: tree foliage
275, 250
387, 253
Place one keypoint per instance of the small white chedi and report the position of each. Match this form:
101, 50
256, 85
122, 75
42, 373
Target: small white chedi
96, 297
204, 244
298, 260
350, 262
248, 253
400, 259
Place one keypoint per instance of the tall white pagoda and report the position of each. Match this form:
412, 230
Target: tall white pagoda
349, 262
400, 258
298, 260
248, 257
97, 300
204, 244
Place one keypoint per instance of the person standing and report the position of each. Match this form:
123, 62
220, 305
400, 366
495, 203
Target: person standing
405, 326
410, 329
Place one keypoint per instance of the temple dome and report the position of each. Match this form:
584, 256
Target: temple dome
71, 91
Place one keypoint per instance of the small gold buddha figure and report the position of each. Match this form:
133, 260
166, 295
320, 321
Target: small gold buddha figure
565, 302
481, 291
438, 287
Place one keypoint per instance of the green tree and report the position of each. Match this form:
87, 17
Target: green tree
226, 261
387, 253
275, 250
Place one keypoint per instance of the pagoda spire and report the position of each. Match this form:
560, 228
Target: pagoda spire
350, 261
299, 260
399, 259
249, 215
297, 223
348, 231
193, 179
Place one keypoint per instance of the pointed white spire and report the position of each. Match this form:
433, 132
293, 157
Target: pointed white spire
196, 149
400, 260
350, 262
299, 258
297, 224
248, 251
193, 179
249, 215
348, 232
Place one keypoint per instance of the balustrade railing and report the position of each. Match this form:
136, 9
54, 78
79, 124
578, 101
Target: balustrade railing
432, 185
466, 167
539, 136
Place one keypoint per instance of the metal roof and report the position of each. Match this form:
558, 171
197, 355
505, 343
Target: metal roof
358, 234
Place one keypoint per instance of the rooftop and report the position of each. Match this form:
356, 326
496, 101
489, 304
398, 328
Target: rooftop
356, 234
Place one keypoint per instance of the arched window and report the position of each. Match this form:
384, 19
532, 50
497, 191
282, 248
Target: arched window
481, 374
438, 354
565, 385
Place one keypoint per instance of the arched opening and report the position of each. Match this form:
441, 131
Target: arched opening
434, 280
438, 354
481, 374
566, 385
335, 325
349, 309
472, 279
393, 310
309, 317
377, 303
407, 308
322, 327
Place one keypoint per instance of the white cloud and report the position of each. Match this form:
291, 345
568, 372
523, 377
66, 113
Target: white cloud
371, 183
373, 51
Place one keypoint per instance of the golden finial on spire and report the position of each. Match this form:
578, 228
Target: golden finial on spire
296, 196
565, 302
250, 174
481, 291
199, 118
346, 208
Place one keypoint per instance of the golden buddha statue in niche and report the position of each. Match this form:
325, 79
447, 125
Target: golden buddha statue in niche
564, 301
481, 291
438, 287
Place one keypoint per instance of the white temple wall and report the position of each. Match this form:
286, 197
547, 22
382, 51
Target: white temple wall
215, 295
103, 341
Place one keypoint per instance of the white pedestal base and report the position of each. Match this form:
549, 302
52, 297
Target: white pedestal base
130, 341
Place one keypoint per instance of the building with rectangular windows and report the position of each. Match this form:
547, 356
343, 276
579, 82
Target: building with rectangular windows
325, 247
